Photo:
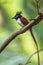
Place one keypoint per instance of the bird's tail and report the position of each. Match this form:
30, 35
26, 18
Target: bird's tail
36, 45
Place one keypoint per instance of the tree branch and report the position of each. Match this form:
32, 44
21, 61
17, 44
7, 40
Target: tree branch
21, 31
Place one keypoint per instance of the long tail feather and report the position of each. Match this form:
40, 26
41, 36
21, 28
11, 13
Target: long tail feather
36, 45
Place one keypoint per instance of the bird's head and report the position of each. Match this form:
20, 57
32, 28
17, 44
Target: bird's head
18, 15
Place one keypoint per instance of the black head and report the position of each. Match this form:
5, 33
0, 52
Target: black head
18, 15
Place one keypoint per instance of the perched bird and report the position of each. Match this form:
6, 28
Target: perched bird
23, 22
20, 19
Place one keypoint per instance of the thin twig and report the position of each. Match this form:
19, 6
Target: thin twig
37, 5
32, 56
28, 61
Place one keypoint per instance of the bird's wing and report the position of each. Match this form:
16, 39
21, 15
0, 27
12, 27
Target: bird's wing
24, 20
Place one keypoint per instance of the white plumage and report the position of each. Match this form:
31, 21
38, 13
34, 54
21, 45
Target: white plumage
19, 22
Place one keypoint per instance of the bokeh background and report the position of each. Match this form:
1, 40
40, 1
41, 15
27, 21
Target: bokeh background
20, 49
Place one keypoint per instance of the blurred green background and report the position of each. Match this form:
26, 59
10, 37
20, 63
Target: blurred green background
19, 50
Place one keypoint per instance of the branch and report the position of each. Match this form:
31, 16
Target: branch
21, 31
37, 5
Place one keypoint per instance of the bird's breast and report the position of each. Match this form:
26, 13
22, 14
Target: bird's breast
20, 22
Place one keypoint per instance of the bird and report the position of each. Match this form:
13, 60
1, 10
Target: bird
22, 21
